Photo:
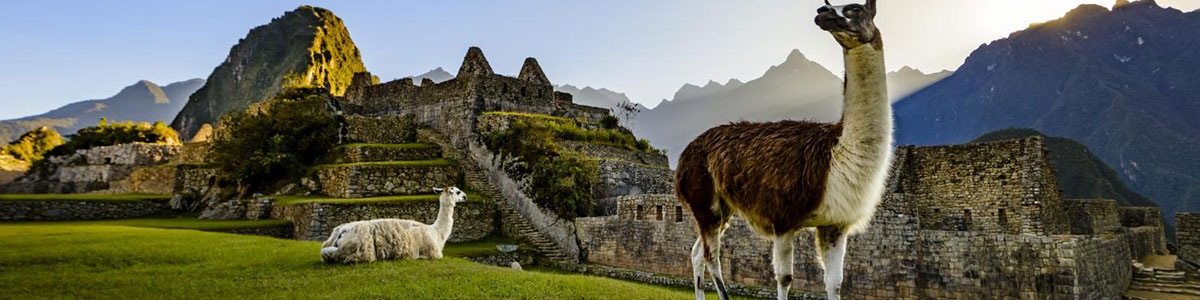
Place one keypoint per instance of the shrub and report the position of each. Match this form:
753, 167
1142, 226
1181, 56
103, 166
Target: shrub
610, 122
559, 182
33, 145
276, 140
108, 134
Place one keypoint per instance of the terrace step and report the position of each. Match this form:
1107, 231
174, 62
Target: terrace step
371, 179
358, 153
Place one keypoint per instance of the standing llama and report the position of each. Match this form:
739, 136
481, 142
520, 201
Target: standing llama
785, 176
384, 239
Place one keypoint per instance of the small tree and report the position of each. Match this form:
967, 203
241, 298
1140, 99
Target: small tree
277, 141
627, 111
33, 145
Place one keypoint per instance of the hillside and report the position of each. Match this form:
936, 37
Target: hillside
144, 101
306, 46
1121, 82
797, 89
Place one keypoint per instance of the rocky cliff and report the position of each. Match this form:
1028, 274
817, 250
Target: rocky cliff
309, 46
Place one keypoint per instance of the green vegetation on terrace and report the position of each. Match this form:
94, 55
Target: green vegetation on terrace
84, 197
294, 200
277, 140
403, 163
566, 129
179, 222
111, 133
391, 146
121, 262
32, 146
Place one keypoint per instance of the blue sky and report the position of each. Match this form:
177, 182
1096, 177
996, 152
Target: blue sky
64, 51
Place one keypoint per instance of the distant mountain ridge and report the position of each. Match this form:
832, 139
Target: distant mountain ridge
1122, 82
602, 97
438, 75
308, 46
144, 101
797, 89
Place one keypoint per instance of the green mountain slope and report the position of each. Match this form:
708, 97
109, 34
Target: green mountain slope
306, 46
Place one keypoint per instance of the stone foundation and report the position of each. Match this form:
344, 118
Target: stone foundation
380, 130
70, 210
373, 153
473, 220
360, 181
1092, 216
1187, 234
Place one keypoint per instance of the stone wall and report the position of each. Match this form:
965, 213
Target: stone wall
892, 260
1146, 241
8, 176
358, 181
473, 220
622, 178
1002, 187
358, 153
157, 180
380, 130
192, 178
1092, 216
1187, 234
92, 169
194, 153
67, 210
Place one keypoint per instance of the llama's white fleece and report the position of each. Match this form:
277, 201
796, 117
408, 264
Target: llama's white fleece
383, 239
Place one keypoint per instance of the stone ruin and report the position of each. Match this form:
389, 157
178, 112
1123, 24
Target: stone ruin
976, 221
105, 169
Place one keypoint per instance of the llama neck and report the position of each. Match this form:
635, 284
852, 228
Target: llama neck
445, 221
867, 117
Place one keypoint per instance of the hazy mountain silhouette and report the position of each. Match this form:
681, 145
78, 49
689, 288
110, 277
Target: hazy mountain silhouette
143, 101
602, 98
437, 75
1122, 82
797, 89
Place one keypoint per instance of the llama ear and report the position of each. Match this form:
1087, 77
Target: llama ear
438, 190
827, 3
870, 6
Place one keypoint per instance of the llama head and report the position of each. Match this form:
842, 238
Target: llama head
852, 25
450, 195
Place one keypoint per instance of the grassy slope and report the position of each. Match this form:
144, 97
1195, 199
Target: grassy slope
408, 163
135, 263
84, 197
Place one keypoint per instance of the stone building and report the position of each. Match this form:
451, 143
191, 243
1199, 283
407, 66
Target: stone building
977, 221
94, 170
1187, 234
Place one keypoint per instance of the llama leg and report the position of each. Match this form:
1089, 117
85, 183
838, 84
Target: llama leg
781, 259
698, 268
831, 243
712, 247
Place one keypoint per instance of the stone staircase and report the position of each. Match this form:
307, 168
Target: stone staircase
479, 182
1161, 281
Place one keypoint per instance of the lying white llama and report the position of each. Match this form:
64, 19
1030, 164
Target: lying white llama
385, 239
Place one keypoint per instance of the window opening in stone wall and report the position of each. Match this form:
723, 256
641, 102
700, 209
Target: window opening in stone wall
678, 214
659, 217
966, 219
638, 214
1003, 217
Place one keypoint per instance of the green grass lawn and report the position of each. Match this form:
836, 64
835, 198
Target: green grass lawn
180, 222
84, 197
98, 260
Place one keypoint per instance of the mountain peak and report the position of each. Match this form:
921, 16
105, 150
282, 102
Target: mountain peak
796, 56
